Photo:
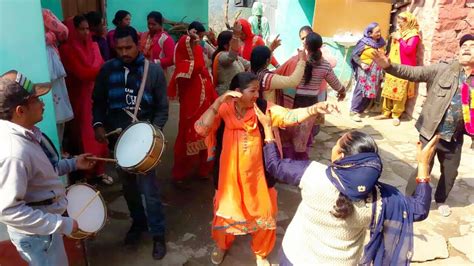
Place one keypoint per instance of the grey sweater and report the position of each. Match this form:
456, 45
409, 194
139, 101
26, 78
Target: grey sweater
27, 175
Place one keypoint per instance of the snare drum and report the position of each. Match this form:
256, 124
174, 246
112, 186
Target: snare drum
87, 207
139, 147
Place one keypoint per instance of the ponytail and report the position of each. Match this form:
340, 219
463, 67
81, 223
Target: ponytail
313, 44
343, 208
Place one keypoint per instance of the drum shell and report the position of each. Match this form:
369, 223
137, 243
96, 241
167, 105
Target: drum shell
153, 155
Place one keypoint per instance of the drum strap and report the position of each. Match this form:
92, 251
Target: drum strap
140, 92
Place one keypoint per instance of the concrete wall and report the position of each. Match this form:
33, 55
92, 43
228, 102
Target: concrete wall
291, 16
24, 49
171, 9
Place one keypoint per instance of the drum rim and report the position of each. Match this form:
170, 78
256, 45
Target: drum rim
155, 129
101, 199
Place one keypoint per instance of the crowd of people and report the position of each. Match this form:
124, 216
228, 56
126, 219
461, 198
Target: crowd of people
245, 120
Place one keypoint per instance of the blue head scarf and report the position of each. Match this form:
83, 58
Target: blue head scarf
366, 40
355, 176
391, 237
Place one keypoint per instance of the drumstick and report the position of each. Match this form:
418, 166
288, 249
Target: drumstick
101, 159
116, 131
87, 205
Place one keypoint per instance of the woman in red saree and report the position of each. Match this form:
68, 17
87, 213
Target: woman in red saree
82, 60
192, 84
251, 41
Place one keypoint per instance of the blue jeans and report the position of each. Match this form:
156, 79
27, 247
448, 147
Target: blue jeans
40, 250
133, 187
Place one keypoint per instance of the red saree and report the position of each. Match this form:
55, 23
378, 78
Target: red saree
82, 61
192, 83
251, 41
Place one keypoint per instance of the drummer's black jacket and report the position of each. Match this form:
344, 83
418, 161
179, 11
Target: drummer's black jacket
116, 88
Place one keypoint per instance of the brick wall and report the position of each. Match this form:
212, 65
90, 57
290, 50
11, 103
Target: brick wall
442, 23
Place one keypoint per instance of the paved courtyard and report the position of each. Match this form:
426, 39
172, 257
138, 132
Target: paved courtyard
439, 240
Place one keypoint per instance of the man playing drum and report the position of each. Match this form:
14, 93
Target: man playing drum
32, 198
115, 96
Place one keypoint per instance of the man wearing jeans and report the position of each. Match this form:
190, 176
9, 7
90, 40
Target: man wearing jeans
444, 112
115, 94
32, 198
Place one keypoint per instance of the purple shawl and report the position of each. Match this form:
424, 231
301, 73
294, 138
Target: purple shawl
366, 40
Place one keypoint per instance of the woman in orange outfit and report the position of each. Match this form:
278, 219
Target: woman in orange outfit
245, 200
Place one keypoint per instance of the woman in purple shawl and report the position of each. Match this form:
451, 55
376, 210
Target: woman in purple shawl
367, 74
341, 201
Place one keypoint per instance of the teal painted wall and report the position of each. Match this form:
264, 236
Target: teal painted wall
290, 16
343, 70
55, 7
171, 9
24, 49
297, 14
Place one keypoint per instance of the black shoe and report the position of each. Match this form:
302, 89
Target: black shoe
134, 233
182, 185
159, 247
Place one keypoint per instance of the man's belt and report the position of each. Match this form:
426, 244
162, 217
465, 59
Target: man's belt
43, 202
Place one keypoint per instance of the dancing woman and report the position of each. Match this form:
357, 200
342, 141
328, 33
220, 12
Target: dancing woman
245, 200
345, 199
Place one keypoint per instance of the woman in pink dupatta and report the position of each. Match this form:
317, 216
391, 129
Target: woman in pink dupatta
157, 45
122, 18
82, 60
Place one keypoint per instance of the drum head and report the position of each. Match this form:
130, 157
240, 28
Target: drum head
93, 217
134, 144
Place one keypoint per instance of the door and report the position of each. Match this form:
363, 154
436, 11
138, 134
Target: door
72, 8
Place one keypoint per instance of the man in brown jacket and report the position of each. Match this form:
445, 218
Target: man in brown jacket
442, 111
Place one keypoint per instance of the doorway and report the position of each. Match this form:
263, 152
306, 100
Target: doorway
75, 7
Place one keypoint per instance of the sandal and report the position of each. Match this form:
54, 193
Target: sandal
106, 179
381, 117
444, 209
261, 261
217, 256
396, 122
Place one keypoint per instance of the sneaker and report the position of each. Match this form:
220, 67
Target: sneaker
217, 256
396, 122
356, 117
262, 261
444, 209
